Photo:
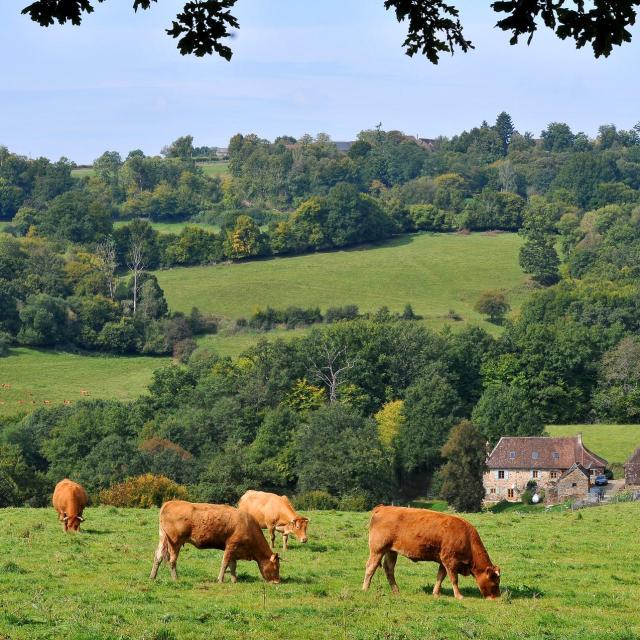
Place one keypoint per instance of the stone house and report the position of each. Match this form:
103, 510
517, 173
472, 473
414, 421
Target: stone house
515, 461
632, 469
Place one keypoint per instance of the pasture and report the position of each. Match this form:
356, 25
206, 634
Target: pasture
614, 442
36, 376
174, 227
436, 273
208, 168
574, 578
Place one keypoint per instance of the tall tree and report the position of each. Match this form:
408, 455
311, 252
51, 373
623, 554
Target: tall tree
466, 453
504, 127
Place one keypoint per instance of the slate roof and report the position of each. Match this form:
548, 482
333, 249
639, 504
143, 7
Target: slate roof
542, 453
575, 466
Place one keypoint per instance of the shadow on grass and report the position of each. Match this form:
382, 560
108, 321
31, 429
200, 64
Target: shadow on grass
97, 532
511, 592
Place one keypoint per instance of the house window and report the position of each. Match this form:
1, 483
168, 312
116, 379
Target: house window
574, 484
492, 490
512, 455
555, 455
501, 475
535, 455
553, 475
534, 473
510, 493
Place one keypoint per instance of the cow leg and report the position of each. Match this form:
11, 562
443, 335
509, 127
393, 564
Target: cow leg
232, 570
453, 576
272, 535
442, 572
389, 564
372, 564
173, 560
227, 557
285, 540
159, 556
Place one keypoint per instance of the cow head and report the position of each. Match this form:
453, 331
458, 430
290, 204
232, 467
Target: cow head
298, 527
270, 569
72, 522
489, 582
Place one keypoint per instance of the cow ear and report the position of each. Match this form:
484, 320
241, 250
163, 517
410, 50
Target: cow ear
497, 570
274, 557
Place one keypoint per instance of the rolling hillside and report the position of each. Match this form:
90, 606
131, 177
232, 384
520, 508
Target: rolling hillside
436, 273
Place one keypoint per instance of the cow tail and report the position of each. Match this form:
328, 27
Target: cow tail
164, 544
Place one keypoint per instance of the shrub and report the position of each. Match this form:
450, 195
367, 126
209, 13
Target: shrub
354, 502
526, 496
348, 312
183, 349
5, 342
316, 500
143, 492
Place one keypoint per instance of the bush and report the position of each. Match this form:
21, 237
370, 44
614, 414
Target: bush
316, 500
354, 502
143, 492
526, 496
183, 349
5, 342
348, 312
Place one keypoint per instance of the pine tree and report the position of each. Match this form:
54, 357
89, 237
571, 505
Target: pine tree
465, 451
504, 127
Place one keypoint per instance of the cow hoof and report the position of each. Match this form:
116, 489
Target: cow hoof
459, 597
436, 594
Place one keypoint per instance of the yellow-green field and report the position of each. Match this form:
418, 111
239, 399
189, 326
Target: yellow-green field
614, 442
434, 272
209, 168
174, 227
39, 377
564, 576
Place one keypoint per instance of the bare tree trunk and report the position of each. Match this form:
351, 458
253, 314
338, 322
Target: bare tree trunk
335, 364
136, 264
106, 252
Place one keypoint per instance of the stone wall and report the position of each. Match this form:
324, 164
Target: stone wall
515, 479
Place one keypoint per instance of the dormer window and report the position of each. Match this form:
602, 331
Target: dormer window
535, 455
512, 454
555, 455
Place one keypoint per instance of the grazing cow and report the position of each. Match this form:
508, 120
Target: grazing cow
213, 526
69, 500
419, 534
275, 513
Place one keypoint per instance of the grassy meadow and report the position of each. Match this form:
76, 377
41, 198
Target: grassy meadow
36, 376
436, 273
209, 168
614, 442
564, 575
174, 227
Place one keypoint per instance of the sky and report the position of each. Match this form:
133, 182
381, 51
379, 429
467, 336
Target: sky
337, 66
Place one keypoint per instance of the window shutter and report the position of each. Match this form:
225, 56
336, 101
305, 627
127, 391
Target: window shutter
495, 473
506, 474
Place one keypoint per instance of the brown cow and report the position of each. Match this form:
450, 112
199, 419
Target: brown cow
275, 513
420, 534
213, 526
69, 500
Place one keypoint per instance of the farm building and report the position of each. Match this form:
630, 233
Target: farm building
632, 469
514, 462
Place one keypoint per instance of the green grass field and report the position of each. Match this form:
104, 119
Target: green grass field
209, 168
564, 575
214, 168
433, 272
39, 375
614, 442
174, 227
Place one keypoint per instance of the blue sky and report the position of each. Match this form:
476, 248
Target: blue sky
336, 66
